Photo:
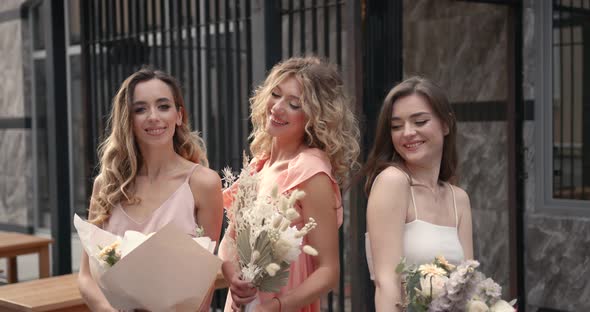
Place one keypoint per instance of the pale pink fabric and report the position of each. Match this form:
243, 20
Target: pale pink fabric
301, 168
178, 208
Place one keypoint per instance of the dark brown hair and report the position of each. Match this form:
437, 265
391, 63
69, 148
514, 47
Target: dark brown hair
383, 154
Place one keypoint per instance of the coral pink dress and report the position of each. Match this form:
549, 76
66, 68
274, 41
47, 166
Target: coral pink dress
300, 169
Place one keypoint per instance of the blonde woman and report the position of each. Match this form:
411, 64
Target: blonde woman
305, 137
414, 211
152, 171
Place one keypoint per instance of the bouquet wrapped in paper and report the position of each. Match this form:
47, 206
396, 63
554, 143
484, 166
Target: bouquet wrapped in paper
163, 271
442, 287
266, 242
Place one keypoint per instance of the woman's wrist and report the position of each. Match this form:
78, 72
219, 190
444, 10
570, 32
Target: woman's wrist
277, 304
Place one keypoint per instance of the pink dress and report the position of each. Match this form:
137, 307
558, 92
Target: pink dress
300, 169
178, 208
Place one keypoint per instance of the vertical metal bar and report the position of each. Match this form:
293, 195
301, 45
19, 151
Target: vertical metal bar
130, 55
86, 85
314, 26
572, 105
180, 50
249, 48
155, 33
194, 103
561, 102
290, 30
137, 46
339, 33
586, 114
327, 28
518, 170
104, 105
122, 36
172, 16
145, 47
163, 47
211, 133
273, 34
233, 143
238, 78
57, 135
219, 130
199, 99
302, 26
110, 45
137, 42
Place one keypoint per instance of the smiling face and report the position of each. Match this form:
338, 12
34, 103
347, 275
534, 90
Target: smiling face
285, 116
154, 113
416, 132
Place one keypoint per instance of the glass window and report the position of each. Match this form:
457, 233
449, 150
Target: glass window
571, 100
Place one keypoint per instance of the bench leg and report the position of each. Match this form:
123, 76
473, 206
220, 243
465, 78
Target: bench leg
11, 270
44, 262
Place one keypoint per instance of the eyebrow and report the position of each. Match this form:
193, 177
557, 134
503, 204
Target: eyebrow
414, 115
160, 100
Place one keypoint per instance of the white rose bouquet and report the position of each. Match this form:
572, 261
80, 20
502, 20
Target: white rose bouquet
266, 242
442, 287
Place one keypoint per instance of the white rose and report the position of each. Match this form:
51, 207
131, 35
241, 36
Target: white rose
501, 306
437, 283
476, 306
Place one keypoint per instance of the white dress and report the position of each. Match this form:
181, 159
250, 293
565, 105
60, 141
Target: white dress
423, 240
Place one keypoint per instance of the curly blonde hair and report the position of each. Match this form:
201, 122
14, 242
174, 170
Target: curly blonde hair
331, 125
120, 157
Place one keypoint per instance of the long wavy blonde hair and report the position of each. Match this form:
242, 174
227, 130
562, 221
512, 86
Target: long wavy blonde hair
331, 125
120, 157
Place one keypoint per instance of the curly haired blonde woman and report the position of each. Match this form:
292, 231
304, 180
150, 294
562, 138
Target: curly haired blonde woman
305, 137
152, 171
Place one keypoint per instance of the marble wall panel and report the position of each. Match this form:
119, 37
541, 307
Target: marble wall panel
558, 263
483, 174
15, 152
16, 184
11, 75
6, 5
462, 46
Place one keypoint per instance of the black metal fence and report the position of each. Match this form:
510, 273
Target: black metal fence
571, 99
204, 44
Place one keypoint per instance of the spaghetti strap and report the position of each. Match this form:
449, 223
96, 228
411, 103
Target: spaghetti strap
414, 202
190, 173
411, 192
454, 205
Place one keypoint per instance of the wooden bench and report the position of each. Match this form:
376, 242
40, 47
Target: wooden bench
16, 244
58, 293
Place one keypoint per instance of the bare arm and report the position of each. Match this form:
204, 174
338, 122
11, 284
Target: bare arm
465, 223
319, 204
386, 215
206, 186
91, 293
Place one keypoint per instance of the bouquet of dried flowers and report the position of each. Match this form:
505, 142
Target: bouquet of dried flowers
266, 242
442, 287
